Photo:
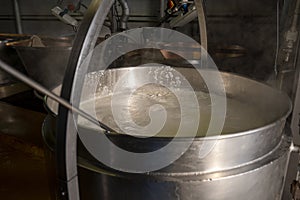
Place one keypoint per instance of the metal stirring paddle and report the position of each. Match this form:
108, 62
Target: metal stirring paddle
9, 69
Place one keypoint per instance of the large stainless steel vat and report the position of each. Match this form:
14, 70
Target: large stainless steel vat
10, 56
46, 63
246, 164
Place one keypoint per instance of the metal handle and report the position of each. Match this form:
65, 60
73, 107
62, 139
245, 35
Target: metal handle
66, 141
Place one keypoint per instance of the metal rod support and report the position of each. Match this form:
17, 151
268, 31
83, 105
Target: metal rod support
202, 23
18, 17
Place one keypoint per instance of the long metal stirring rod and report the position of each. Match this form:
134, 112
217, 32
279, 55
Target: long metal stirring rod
9, 69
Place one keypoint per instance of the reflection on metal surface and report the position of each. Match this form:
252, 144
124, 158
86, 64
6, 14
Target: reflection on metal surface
193, 52
13, 37
233, 149
9, 90
251, 181
190, 51
229, 51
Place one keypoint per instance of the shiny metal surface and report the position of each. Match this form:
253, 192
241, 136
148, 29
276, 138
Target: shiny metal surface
231, 150
293, 170
45, 64
230, 51
296, 110
18, 16
261, 180
66, 137
84, 43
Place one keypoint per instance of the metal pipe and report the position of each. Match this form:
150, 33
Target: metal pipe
112, 19
287, 58
53, 96
125, 14
162, 8
18, 17
202, 23
295, 18
202, 30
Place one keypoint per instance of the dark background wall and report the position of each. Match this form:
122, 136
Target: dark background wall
249, 24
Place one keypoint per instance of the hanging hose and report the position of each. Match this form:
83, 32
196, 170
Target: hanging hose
125, 14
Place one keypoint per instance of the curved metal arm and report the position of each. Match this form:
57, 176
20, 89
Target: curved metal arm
66, 141
202, 22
